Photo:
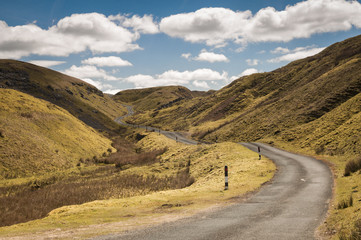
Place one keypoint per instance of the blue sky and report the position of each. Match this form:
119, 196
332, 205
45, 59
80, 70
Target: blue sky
202, 45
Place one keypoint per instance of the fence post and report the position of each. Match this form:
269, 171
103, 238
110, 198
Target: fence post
226, 177
259, 153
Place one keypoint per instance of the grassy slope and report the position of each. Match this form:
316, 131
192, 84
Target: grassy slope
311, 106
38, 136
270, 104
246, 173
155, 98
79, 98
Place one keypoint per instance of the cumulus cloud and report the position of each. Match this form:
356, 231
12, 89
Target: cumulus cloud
186, 55
111, 61
201, 84
47, 63
72, 34
246, 72
112, 91
212, 26
297, 53
280, 50
143, 24
217, 26
205, 56
89, 72
211, 57
96, 84
173, 77
252, 62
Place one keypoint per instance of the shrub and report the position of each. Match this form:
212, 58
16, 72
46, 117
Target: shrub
345, 203
27, 115
143, 158
355, 233
352, 166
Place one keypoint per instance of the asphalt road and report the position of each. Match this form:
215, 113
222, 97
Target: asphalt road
172, 135
290, 207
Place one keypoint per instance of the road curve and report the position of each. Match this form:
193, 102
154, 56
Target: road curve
172, 135
291, 207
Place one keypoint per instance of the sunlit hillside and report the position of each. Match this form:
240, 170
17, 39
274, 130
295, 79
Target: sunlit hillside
81, 99
286, 104
37, 136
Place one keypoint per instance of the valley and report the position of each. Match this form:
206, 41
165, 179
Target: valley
72, 157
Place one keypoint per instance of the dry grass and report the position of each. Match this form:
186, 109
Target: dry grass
40, 137
79, 98
34, 202
36, 198
200, 166
352, 166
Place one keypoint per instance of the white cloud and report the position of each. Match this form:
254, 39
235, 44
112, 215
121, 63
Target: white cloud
296, 54
211, 57
212, 26
201, 84
280, 50
252, 62
217, 26
173, 77
112, 91
72, 34
89, 72
143, 24
46, 63
304, 19
186, 55
96, 84
111, 61
249, 71
246, 72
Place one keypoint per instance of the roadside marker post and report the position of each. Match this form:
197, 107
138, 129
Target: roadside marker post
259, 153
226, 177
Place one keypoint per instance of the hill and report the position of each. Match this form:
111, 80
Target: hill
288, 104
81, 99
157, 97
39, 137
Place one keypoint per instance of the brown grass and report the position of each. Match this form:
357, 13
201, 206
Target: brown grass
34, 200
125, 155
352, 166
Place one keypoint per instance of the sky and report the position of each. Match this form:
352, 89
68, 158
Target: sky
200, 44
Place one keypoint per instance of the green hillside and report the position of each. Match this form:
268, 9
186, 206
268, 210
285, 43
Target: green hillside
38, 137
311, 106
81, 99
156, 98
277, 104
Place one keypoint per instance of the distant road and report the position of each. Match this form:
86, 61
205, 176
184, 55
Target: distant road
291, 207
172, 135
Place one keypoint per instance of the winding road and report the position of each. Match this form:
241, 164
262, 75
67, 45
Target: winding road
292, 206
172, 135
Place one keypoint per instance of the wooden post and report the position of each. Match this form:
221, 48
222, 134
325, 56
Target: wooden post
259, 153
226, 177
